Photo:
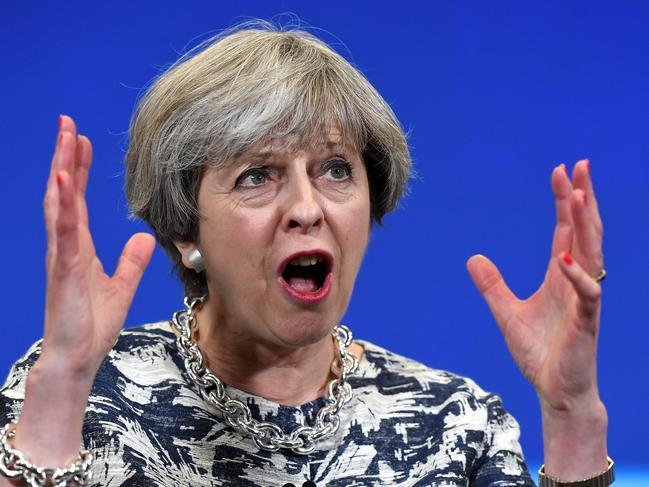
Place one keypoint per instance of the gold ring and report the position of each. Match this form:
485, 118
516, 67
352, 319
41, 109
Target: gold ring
600, 277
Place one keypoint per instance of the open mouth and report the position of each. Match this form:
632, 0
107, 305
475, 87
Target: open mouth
306, 274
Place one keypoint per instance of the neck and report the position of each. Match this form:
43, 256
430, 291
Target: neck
291, 376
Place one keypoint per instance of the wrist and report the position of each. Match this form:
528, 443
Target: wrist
55, 377
574, 439
79, 366
16, 465
50, 424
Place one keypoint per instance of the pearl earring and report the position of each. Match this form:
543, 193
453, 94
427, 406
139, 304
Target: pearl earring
196, 261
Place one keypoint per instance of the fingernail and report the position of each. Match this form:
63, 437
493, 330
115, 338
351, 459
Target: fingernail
60, 121
588, 165
567, 258
59, 180
565, 170
58, 139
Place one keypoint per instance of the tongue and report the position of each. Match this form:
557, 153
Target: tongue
303, 284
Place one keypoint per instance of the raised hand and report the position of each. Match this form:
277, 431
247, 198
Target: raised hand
85, 308
552, 335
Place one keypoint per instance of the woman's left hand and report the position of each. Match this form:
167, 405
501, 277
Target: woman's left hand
552, 335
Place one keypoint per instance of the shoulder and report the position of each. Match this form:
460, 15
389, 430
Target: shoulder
394, 373
13, 389
141, 355
432, 399
150, 343
435, 417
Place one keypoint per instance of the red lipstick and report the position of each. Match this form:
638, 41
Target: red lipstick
320, 272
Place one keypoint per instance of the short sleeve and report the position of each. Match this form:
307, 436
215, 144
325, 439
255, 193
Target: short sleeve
12, 392
501, 463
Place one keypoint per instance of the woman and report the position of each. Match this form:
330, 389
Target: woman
260, 164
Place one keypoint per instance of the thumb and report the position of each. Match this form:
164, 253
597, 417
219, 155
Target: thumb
491, 285
132, 263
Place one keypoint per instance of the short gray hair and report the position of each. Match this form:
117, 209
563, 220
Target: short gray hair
251, 84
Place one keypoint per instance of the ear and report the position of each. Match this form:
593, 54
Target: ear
185, 248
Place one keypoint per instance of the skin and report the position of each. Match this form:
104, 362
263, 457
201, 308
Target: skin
243, 236
85, 308
270, 203
552, 335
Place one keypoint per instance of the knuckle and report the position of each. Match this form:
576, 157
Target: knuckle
68, 266
133, 259
591, 292
488, 283
596, 293
67, 219
65, 228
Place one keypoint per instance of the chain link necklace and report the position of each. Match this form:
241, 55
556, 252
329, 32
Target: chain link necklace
267, 436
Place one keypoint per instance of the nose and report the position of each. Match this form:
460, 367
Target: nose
303, 210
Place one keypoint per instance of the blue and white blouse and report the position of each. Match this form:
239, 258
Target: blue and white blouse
406, 425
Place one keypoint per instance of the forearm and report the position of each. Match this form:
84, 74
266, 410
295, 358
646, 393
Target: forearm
50, 424
574, 442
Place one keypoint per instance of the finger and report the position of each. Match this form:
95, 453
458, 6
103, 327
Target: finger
67, 239
132, 263
83, 161
63, 157
562, 189
588, 240
68, 154
588, 291
493, 288
51, 200
583, 181
86, 245
51, 181
66, 125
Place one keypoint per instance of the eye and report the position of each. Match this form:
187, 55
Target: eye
338, 169
252, 177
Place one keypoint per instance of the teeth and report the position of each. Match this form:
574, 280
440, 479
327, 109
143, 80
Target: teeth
305, 260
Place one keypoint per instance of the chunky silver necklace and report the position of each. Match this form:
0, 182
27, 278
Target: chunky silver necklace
267, 436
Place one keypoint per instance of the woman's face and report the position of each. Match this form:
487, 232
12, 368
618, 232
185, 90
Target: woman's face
282, 234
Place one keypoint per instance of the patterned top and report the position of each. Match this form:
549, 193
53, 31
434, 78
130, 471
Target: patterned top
406, 425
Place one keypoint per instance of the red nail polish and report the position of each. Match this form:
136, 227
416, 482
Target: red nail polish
567, 258
59, 179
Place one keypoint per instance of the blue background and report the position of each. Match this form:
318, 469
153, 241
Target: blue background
493, 94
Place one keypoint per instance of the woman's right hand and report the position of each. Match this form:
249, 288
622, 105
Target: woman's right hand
85, 309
